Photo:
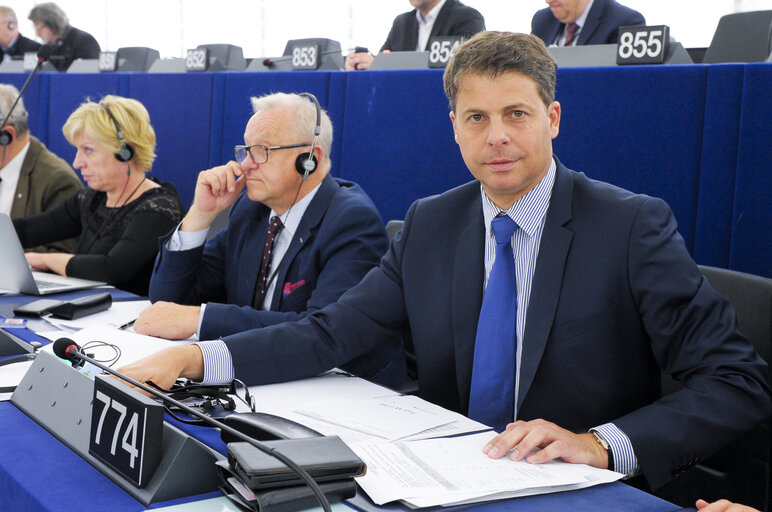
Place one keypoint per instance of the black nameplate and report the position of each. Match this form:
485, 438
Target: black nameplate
30, 61
108, 61
197, 60
126, 430
305, 56
442, 48
643, 45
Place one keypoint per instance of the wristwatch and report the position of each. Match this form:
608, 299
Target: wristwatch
601, 441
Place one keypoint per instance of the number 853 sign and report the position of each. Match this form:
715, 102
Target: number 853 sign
126, 430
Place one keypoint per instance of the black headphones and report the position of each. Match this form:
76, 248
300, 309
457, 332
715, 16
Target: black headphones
306, 163
6, 137
126, 152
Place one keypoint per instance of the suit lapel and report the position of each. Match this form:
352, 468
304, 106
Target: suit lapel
547, 279
19, 205
555, 27
467, 291
443, 17
411, 34
311, 219
592, 22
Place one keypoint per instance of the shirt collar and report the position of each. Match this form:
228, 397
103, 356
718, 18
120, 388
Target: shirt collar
583, 17
431, 15
291, 218
529, 210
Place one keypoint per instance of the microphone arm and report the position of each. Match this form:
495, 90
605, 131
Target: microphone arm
42, 57
65, 348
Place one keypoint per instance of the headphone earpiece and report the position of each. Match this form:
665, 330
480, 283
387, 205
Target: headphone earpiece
11, 26
6, 138
125, 152
306, 163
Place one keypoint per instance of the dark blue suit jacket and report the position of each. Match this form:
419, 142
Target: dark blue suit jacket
600, 27
454, 19
340, 237
615, 297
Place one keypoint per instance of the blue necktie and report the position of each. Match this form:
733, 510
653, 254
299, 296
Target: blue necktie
492, 394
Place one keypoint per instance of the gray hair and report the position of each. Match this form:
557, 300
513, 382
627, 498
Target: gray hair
8, 14
50, 15
305, 116
18, 119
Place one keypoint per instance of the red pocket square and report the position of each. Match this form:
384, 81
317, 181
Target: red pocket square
291, 287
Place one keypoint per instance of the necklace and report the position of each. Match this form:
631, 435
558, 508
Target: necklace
112, 215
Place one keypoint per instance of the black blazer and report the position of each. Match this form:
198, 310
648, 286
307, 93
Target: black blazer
600, 27
454, 19
22, 46
74, 44
616, 299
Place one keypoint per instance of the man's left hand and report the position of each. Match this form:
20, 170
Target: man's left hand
549, 442
168, 320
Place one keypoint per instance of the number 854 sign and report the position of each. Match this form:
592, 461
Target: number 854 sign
643, 45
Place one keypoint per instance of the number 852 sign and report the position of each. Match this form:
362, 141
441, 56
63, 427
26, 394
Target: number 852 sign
643, 45
126, 430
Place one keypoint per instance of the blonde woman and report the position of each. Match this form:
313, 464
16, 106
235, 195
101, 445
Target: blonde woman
121, 214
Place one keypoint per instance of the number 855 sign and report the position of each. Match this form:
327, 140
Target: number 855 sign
643, 45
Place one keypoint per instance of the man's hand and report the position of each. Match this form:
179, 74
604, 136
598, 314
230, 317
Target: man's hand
358, 61
216, 190
550, 441
723, 506
166, 366
168, 320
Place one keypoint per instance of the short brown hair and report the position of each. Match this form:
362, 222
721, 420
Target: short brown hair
492, 54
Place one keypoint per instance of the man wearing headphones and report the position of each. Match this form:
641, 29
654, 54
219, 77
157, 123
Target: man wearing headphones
69, 43
32, 179
11, 41
296, 238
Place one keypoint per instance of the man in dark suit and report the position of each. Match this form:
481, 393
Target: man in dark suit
32, 178
412, 30
331, 234
603, 297
69, 43
581, 22
11, 41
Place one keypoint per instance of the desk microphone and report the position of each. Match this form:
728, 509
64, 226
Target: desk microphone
44, 54
65, 348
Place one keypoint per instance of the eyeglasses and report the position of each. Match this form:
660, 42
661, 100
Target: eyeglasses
258, 152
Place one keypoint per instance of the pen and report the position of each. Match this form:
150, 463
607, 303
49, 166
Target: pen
127, 325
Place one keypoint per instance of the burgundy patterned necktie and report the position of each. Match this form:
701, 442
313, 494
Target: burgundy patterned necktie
570, 33
274, 227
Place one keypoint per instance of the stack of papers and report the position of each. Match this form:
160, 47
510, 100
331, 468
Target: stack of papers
398, 437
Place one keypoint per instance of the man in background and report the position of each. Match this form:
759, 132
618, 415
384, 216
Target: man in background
69, 43
11, 41
32, 179
412, 30
581, 22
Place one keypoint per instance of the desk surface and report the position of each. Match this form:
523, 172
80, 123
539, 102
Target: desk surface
37, 472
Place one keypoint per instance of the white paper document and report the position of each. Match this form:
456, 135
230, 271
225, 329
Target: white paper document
119, 315
383, 418
447, 471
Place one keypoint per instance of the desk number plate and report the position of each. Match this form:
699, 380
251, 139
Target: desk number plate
442, 48
305, 57
643, 45
108, 61
126, 430
197, 60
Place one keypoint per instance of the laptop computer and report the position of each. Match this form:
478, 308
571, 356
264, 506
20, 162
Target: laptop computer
16, 275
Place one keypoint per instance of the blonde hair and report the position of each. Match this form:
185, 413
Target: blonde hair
93, 120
